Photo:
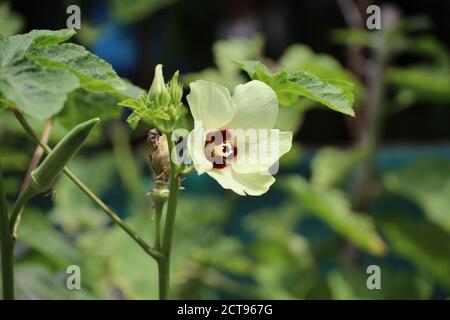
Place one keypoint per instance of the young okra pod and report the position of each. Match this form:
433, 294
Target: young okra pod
43, 177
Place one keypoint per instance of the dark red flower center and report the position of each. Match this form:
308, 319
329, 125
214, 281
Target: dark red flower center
219, 148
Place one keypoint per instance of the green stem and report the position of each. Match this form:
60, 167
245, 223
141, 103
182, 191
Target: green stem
158, 214
141, 242
7, 246
37, 155
18, 207
164, 264
122, 224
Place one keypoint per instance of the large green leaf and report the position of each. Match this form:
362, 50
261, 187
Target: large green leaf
333, 208
301, 57
82, 105
14, 47
425, 245
290, 85
425, 183
38, 91
94, 73
37, 73
131, 90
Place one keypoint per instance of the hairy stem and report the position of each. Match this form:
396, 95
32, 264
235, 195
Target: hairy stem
6, 246
141, 242
164, 264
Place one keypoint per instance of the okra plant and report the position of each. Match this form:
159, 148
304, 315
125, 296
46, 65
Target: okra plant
233, 139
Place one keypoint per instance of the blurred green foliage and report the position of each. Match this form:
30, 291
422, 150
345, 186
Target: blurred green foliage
10, 22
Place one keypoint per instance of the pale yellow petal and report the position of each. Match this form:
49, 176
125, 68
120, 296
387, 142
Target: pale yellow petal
211, 104
257, 106
261, 155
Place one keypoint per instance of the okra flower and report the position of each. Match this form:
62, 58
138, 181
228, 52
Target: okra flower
233, 140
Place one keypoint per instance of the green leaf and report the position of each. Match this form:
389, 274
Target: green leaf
131, 91
425, 183
425, 245
36, 90
417, 80
133, 120
37, 73
330, 166
336, 97
290, 85
14, 47
94, 73
82, 105
44, 38
131, 103
333, 208
301, 57
147, 114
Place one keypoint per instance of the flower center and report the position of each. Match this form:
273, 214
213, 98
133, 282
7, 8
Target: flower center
219, 148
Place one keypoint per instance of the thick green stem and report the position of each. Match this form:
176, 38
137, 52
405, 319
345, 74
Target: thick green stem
159, 197
141, 242
6, 246
164, 264
158, 214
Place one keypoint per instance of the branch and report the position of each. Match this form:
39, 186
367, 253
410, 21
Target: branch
38, 152
122, 224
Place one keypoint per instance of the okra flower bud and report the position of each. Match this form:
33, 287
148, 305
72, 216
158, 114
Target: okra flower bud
158, 91
175, 89
43, 177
